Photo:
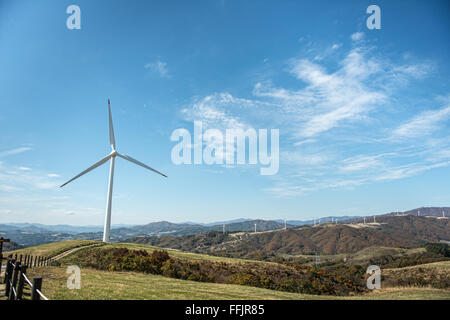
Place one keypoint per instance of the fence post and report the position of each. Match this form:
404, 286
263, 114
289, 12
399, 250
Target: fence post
38, 261
15, 275
20, 259
23, 271
37, 283
31, 261
8, 276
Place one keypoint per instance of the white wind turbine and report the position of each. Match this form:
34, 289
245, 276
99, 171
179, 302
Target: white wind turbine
112, 157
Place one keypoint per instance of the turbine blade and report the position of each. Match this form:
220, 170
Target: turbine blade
99, 163
140, 163
112, 141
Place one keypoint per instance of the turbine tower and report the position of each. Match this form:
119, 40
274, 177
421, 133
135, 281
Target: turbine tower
112, 156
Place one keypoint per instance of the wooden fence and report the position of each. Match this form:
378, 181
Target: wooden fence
16, 281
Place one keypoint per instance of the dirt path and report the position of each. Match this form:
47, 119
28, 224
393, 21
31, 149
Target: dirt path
70, 251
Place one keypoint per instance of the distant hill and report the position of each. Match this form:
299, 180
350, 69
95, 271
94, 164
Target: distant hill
32, 238
321, 219
38, 227
164, 228
402, 231
9, 246
425, 211
249, 226
27, 234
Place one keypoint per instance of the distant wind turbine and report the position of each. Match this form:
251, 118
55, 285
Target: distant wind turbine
112, 157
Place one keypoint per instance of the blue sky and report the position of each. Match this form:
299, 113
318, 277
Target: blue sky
364, 115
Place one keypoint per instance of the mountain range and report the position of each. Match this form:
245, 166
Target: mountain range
27, 234
406, 231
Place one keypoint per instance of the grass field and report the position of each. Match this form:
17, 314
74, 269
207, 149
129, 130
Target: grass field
97, 284
180, 254
52, 249
436, 274
55, 248
361, 257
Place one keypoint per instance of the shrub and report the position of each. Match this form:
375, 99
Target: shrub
441, 249
244, 279
286, 276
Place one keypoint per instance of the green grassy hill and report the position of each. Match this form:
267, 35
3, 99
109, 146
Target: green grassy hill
104, 284
52, 249
96, 284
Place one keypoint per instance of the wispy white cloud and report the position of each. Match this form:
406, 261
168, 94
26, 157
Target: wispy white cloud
213, 111
336, 121
357, 36
414, 70
220, 112
336, 46
158, 67
288, 191
304, 159
329, 98
423, 124
24, 178
408, 171
7, 188
360, 163
13, 151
